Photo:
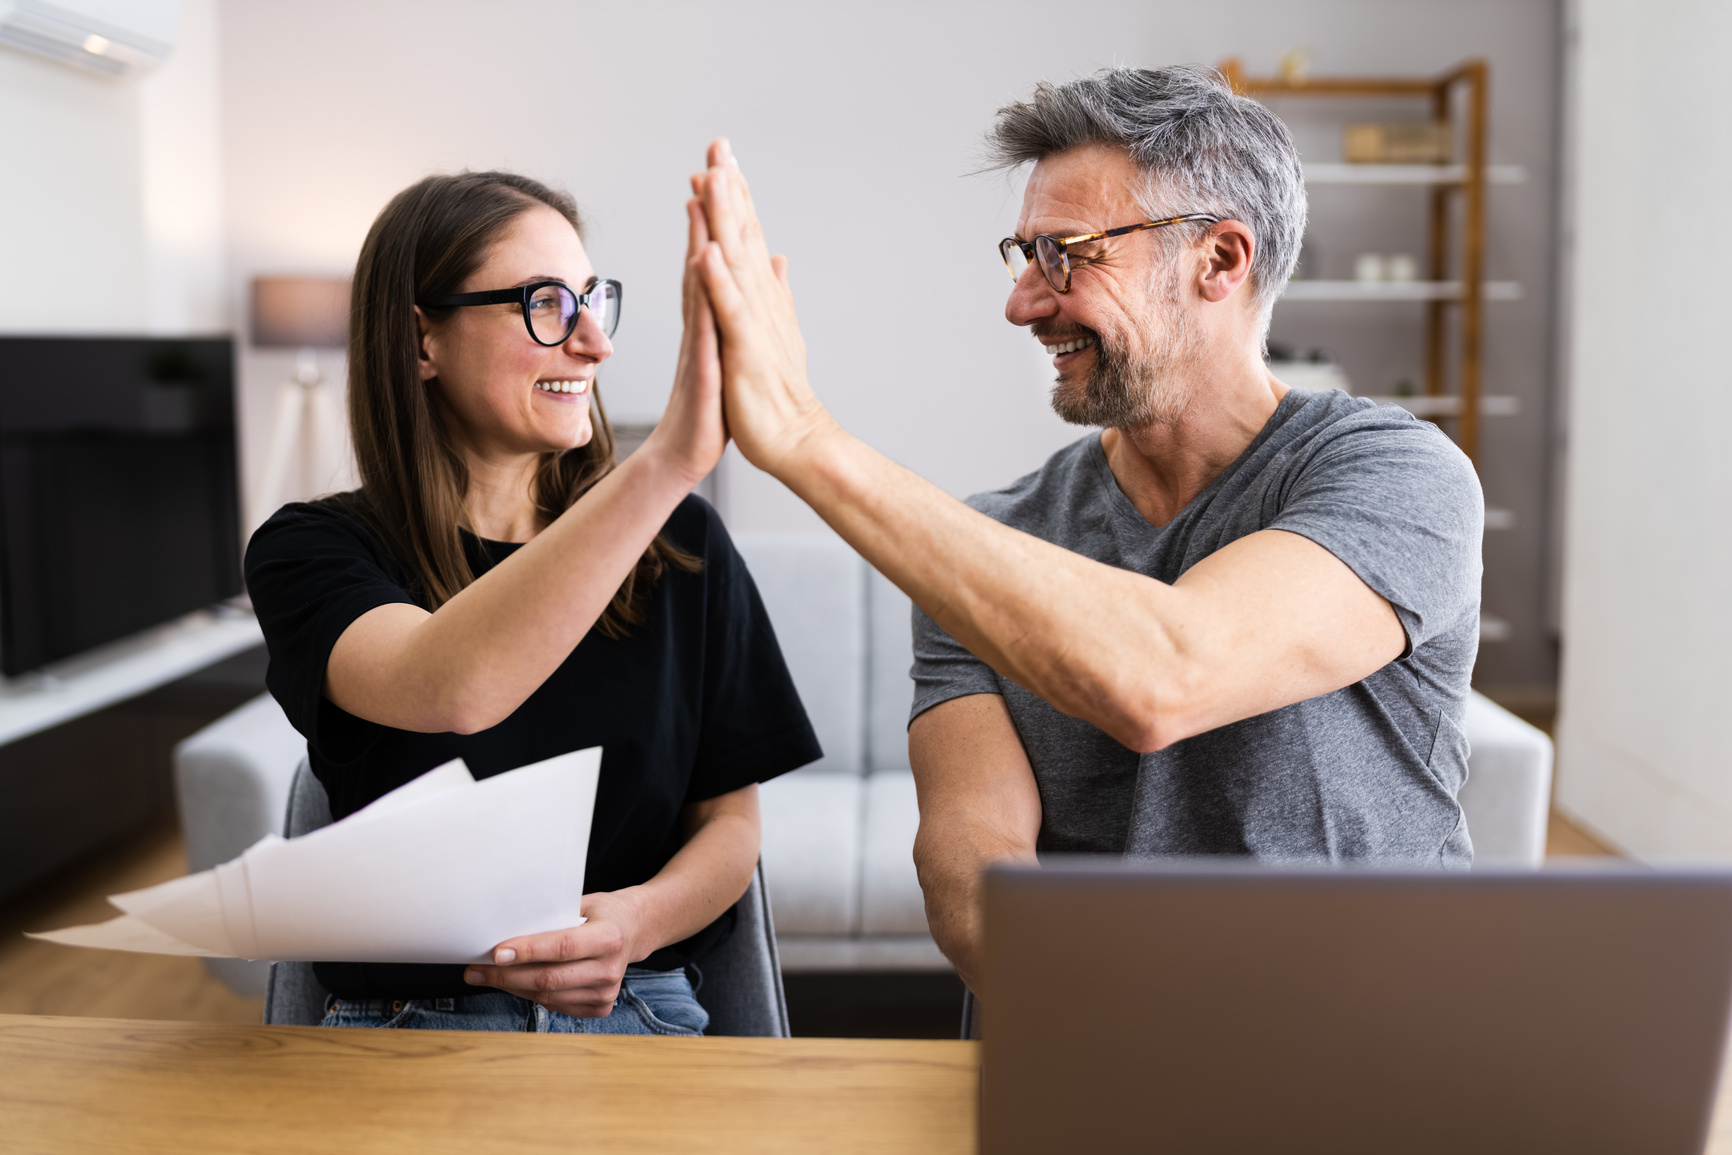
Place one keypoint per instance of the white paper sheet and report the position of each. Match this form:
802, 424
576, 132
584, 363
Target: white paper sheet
440, 870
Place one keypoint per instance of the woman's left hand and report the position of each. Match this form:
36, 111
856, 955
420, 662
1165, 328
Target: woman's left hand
576, 971
693, 431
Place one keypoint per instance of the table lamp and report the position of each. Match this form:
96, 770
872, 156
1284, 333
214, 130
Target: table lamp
307, 430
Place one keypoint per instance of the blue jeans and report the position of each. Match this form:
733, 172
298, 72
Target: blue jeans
649, 1003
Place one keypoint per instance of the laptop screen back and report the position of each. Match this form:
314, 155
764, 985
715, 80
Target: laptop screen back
1201, 1009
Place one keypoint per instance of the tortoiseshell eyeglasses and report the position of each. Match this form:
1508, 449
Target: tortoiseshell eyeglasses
1052, 252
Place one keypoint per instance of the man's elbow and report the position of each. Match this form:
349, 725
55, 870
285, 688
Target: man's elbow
1147, 718
1147, 735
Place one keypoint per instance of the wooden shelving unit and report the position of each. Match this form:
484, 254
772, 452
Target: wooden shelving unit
1455, 257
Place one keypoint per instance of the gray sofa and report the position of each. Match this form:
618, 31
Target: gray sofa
838, 834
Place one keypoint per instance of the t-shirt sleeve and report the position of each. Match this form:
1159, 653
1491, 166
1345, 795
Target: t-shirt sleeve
311, 572
754, 727
943, 669
1400, 505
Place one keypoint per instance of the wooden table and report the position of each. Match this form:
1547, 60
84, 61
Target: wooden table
80, 1085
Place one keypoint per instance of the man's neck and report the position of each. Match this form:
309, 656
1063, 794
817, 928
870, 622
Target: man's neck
1162, 467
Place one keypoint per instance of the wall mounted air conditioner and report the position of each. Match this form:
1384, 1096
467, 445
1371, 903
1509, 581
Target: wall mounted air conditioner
113, 37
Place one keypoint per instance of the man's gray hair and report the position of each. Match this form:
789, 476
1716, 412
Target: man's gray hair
1202, 148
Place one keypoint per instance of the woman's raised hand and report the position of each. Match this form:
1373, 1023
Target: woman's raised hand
771, 411
693, 429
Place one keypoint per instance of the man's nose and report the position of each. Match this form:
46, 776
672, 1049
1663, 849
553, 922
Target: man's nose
1031, 300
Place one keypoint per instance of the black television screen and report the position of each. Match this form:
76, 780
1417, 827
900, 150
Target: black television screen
118, 503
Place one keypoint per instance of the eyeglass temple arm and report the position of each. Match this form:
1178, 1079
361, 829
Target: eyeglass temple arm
487, 297
1119, 232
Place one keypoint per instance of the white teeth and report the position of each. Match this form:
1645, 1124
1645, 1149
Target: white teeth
1070, 346
563, 386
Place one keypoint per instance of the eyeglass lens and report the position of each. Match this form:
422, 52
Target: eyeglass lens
1051, 259
1046, 251
553, 311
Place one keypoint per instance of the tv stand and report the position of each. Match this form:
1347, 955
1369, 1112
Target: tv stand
85, 743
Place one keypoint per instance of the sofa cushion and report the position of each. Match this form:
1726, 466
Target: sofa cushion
811, 851
890, 899
889, 689
814, 590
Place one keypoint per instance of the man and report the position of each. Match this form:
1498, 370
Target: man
1241, 619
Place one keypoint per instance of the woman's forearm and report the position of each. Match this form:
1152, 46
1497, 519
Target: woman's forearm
707, 876
468, 665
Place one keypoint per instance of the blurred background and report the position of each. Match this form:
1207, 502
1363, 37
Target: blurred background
200, 151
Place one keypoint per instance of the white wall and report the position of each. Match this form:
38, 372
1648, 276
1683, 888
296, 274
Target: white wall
857, 123
111, 194
180, 146
73, 246
1644, 755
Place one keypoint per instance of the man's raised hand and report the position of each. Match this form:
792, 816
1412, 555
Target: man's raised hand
772, 413
693, 425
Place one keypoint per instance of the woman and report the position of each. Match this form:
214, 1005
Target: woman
499, 590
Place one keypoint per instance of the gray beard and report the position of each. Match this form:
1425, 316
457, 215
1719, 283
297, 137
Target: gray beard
1134, 391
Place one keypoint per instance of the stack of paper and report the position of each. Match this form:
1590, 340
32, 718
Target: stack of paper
440, 870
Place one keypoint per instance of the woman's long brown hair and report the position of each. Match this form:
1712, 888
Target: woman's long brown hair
424, 245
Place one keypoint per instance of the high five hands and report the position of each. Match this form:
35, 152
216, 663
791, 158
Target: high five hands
771, 412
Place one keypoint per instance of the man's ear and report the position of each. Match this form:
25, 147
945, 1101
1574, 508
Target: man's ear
425, 345
1227, 253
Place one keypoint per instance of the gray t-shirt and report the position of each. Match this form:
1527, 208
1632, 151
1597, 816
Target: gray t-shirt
1367, 772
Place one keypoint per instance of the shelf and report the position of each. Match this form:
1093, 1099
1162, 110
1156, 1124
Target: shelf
1496, 519
120, 670
1396, 291
1493, 629
1409, 174
1451, 406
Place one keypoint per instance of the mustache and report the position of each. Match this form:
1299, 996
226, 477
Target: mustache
1058, 335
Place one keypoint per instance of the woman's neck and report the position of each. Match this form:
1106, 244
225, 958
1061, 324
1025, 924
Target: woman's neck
500, 502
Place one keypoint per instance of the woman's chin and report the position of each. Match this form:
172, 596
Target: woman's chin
567, 436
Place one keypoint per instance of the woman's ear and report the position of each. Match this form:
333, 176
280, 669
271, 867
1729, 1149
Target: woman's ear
1227, 259
426, 342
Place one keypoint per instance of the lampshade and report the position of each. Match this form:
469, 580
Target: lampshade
301, 311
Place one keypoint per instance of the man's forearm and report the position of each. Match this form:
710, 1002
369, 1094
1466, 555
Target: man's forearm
951, 865
979, 804
1049, 619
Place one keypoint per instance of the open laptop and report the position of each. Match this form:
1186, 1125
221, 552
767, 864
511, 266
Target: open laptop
1218, 1007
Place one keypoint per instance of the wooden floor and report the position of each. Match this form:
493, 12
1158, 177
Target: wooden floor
42, 978
1564, 839
39, 978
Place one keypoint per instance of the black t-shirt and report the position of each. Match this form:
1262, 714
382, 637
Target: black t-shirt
693, 704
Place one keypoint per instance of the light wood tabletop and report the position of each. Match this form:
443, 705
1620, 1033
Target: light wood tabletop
84, 1085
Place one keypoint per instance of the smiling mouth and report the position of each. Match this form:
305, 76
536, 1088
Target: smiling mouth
580, 385
1063, 347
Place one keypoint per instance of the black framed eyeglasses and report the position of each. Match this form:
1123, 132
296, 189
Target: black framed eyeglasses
550, 308
1052, 253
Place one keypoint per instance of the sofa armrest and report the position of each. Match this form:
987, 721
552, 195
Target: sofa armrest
1507, 795
232, 781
